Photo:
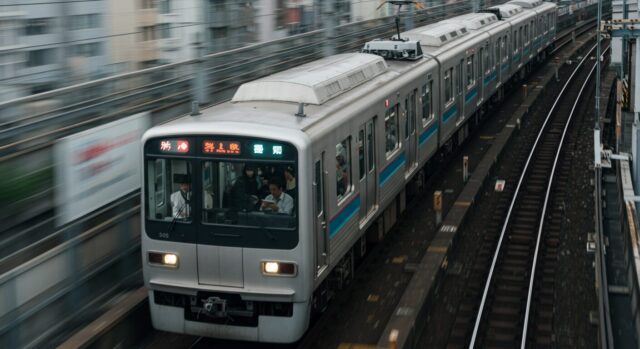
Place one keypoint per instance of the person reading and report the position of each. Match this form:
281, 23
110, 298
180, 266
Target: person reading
278, 201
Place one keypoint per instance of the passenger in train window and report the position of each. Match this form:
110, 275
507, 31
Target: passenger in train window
244, 194
263, 190
290, 177
278, 201
208, 197
181, 199
341, 179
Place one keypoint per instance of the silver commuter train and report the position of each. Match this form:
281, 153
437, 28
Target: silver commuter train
219, 260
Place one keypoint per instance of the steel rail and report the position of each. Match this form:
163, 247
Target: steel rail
513, 201
544, 209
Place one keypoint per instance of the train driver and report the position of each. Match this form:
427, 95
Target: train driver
278, 201
181, 199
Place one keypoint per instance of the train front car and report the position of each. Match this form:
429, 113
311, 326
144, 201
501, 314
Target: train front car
223, 245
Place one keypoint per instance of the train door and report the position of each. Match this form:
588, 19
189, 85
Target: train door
367, 170
410, 133
459, 97
319, 210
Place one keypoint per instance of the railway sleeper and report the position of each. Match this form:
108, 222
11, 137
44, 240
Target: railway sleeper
549, 272
502, 339
509, 314
518, 278
550, 259
520, 239
530, 207
527, 216
520, 262
530, 199
544, 342
514, 269
502, 325
544, 309
509, 289
518, 254
522, 229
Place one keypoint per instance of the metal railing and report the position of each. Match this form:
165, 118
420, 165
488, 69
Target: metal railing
75, 278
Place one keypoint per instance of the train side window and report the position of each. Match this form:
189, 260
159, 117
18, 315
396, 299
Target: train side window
520, 42
391, 129
448, 95
487, 61
515, 41
470, 74
481, 55
412, 111
532, 33
361, 153
370, 146
343, 168
318, 186
496, 57
427, 103
406, 118
160, 182
505, 49
459, 78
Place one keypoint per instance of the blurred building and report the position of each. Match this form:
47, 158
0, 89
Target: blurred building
12, 54
180, 28
230, 24
270, 20
65, 41
133, 27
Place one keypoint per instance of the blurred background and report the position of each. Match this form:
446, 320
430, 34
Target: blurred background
48, 44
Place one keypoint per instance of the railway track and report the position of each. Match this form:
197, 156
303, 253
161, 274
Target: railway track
516, 228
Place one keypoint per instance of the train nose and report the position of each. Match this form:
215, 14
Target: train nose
220, 266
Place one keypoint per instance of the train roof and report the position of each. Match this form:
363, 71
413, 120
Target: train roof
314, 82
259, 103
508, 10
437, 34
474, 21
528, 4
329, 86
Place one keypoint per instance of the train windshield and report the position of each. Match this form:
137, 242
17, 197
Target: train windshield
169, 190
250, 194
222, 191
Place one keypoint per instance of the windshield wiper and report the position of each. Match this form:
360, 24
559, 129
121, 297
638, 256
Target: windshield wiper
173, 222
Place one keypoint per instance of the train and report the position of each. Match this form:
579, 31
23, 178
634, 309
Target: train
254, 210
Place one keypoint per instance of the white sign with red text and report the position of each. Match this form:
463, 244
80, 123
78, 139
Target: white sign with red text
98, 166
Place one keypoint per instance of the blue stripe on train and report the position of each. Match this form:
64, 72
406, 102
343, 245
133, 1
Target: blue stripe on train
391, 169
424, 137
345, 215
490, 77
471, 95
449, 113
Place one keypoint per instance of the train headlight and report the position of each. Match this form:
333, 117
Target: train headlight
163, 259
170, 259
271, 267
276, 268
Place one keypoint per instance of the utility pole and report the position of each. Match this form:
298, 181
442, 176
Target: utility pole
409, 22
329, 14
